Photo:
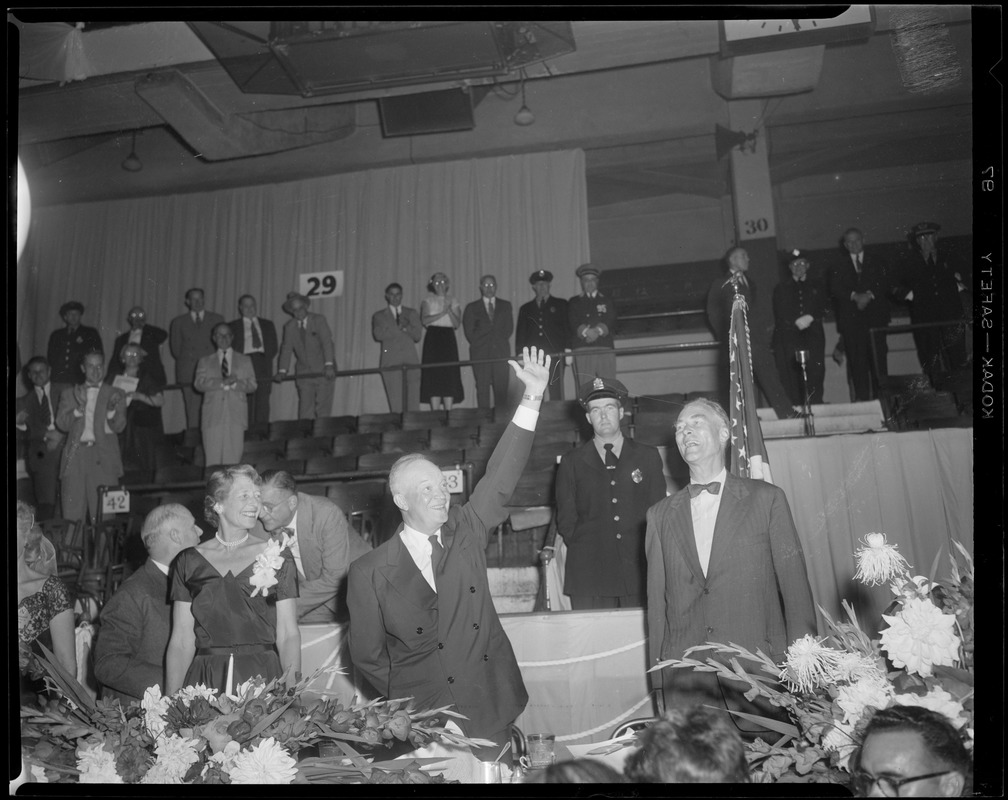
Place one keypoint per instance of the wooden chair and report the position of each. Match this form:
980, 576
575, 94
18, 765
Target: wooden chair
411, 441
531, 504
446, 458
323, 465
284, 429
308, 447
423, 420
561, 411
67, 538
363, 502
295, 466
379, 423
334, 426
465, 417
356, 444
377, 461
450, 438
260, 451
108, 538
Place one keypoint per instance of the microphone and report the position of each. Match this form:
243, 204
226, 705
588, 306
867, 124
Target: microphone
802, 357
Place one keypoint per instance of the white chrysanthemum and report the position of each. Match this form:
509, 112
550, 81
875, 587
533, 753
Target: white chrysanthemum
155, 707
879, 562
920, 637
840, 740
96, 765
850, 667
936, 700
189, 693
869, 692
809, 664
266, 762
175, 755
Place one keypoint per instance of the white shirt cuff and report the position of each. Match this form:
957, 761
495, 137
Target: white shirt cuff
525, 418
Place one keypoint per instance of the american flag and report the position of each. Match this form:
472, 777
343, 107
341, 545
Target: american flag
748, 453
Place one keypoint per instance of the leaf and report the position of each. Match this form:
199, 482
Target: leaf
66, 682
783, 728
934, 565
269, 719
957, 676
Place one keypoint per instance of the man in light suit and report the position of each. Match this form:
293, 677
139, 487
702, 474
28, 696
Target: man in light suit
308, 337
488, 324
256, 337
37, 420
224, 377
322, 542
724, 565
129, 656
190, 340
91, 414
149, 337
603, 491
398, 329
422, 621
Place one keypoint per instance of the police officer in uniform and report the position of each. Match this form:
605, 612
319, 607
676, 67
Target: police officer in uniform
69, 345
542, 323
603, 491
591, 319
799, 305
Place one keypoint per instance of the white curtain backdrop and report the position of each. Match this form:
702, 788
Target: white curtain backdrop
506, 216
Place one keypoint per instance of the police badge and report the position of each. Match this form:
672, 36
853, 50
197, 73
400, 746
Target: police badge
637, 476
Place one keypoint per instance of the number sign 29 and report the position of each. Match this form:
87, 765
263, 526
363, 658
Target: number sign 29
322, 284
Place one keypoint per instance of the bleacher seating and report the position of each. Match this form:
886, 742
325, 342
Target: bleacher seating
334, 426
323, 465
405, 441
290, 429
469, 416
355, 444
450, 438
379, 423
309, 447
422, 420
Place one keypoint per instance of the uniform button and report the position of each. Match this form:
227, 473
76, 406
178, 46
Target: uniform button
475, 626
451, 679
710, 629
440, 645
615, 500
616, 518
472, 589
486, 657
612, 483
419, 630
619, 535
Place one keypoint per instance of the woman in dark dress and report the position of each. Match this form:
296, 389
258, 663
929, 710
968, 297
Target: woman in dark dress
224, 630
144, 429
440, 314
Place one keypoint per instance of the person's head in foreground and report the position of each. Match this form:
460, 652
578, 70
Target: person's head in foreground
582, 770
909, 751
696, 745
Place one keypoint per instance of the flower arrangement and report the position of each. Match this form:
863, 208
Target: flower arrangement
198, 735
830, 686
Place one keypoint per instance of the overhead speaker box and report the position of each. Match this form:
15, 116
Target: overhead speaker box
318, 58
426, 112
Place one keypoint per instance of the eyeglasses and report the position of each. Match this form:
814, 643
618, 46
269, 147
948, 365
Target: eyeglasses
862, 782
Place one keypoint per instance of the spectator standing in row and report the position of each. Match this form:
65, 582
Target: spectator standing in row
68, 345
189, 341
149, 337
144, 397
441, 314
37, 419
488, 324
591, 320
799, 305
224, 377
256, 338
542, 323
308, 337
397, 328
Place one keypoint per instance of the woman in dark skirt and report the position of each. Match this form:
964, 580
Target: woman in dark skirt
144, 430
441, 314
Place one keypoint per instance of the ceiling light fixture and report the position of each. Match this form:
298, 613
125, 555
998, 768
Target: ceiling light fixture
131, 163
524, 115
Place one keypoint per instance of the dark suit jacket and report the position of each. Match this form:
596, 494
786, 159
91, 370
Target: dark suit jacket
488, 338
66, 352
261, 362
447, 647
36, 428
756, 592
151, 339
583, 310
327, 545
844, 279
720, 297
129, 655
107, 444
935, 290
314, 352
189, 343
545, 327
398, 343
605, 540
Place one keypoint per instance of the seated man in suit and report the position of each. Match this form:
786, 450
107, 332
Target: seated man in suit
724, 564
308, 337
149, 337
37, 419
322, 543
129, 656
92, 414
423, 623
224, 377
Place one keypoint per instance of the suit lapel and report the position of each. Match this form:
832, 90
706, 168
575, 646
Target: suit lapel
404, 576
681, 526
729, 519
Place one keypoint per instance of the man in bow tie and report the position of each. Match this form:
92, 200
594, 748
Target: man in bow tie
724, 565
91, 414
321, 541
603, 491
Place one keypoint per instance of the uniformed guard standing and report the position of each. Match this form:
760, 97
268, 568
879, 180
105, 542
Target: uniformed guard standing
68, 346
542, 323
603, 491
591, 318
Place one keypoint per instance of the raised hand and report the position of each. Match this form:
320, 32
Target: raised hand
534, 370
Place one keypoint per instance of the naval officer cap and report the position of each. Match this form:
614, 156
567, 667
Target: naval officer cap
602, 387
924, 228
587, 271
541, 275
72, 305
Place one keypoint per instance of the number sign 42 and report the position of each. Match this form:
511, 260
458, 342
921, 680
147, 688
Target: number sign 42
116, 501
322, 284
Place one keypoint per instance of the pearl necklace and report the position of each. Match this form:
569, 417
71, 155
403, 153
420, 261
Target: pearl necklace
231, 545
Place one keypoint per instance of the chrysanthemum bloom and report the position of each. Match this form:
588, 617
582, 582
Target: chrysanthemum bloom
174, 757
96, 765
840, 740
266, 762
920, 637
871, 691
155, 707
936, 700
851, 667
189, 693
879, 562
808, 665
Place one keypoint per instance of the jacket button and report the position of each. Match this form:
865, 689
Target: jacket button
615, 500
612, 483
710, 629
475, 626
472, 589
486, 657
440, 645
616, 518
419, 630
451, 679
619, 535
706, 591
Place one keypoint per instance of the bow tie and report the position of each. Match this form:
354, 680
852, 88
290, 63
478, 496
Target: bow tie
696, 488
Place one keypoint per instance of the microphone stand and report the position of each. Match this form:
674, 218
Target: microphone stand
801, 356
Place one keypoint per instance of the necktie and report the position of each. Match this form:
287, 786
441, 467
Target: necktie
224, 366
696, 488
395, 313
437, 551
490, 309
304, 333
46, 410
199, 319
610, 457
88, 434
256, 338
292, 543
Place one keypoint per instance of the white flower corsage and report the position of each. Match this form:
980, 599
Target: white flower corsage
266, 565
